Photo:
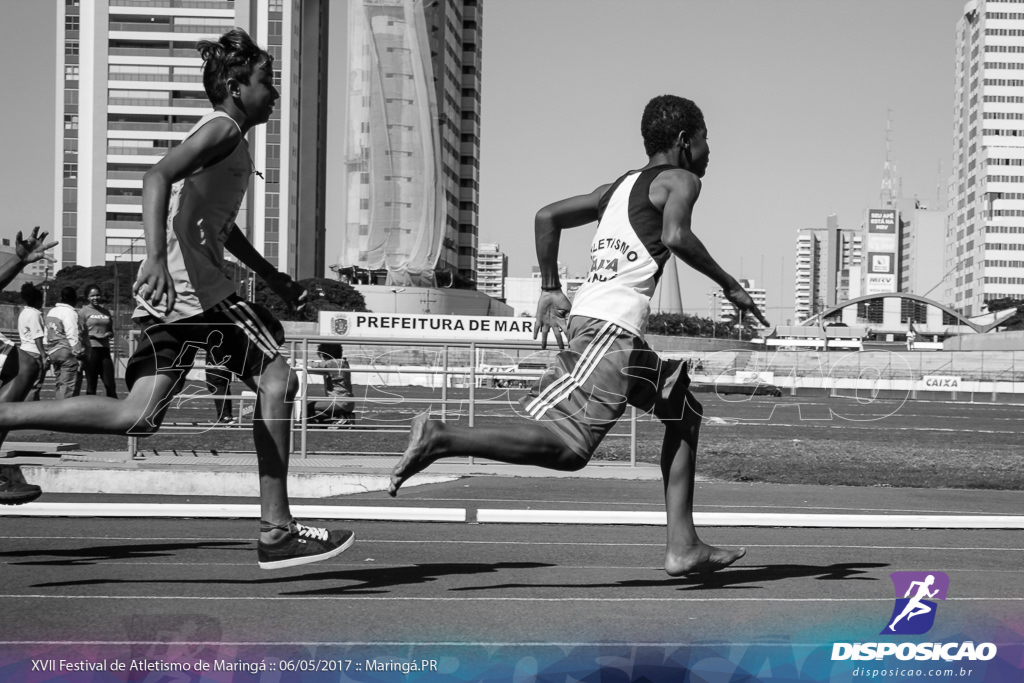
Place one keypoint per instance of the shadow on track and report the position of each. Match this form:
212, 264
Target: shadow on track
368, 581
736, 577
96, 554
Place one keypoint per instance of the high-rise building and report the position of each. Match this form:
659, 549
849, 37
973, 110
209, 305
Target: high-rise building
921, 249
903, 241
130, 87
492, 269
821, 257
985, 225
412, 144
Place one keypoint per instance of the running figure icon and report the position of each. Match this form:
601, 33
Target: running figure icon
915, 606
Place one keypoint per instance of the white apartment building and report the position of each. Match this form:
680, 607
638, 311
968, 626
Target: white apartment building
822, 256
984, 241
492, 269
130, 87
922, 250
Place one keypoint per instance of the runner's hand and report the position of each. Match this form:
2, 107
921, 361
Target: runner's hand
35, 247
154, 283
552, 315
288, 289
744, 303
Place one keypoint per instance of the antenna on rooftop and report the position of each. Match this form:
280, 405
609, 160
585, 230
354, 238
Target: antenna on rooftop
891, 189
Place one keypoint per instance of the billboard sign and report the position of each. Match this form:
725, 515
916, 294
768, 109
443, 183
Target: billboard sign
882, 245
881, 263
879, 284
882, 221
425, 327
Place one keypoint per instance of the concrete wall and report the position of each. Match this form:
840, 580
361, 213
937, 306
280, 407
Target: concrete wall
996, 341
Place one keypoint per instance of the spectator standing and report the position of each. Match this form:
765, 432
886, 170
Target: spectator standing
98, 324
64, 343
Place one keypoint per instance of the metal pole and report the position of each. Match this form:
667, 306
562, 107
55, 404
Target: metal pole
303, 391
444, 385
133, 441
472, 388
632, 436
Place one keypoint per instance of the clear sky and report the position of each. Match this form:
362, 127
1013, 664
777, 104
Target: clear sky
795, 92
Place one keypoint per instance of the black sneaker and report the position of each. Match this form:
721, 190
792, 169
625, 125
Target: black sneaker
303, 545
14, 490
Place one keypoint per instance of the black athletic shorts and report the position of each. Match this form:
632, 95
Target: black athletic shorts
241, 336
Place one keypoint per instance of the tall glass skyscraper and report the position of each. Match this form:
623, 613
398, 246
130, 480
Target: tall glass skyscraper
412, 144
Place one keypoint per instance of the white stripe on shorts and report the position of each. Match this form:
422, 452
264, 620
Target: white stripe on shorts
244, 319
556, 392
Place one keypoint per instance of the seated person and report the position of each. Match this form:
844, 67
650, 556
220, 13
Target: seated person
340, 408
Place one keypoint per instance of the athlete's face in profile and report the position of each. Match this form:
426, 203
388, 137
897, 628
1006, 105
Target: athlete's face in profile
258, 97
698, 153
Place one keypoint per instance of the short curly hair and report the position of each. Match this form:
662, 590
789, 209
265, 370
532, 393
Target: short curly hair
233, 55
664, 118
31, 295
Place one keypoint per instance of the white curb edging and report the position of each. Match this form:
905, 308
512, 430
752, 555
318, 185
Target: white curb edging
214, 511
507, 516
755, 519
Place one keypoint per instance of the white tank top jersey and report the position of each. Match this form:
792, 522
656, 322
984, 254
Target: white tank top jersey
627, 255
201, 211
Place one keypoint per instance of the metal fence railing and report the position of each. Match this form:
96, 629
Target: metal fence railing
456, 371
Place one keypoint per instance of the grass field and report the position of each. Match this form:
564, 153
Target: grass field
798, 440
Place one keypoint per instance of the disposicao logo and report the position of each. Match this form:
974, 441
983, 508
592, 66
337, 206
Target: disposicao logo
914, 614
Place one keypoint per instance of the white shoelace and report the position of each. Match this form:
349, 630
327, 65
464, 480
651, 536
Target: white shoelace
313, 532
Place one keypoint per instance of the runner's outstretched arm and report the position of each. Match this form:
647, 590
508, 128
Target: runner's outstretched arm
680, 190
553, 305
27, 250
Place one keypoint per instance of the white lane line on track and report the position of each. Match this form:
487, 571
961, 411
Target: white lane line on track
363, 541
385, 598
706, 506
346, 566
510, 516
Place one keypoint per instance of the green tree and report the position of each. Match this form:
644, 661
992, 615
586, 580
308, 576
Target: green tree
1002, 303
683, 325
324, 295
111, 279
1014, 322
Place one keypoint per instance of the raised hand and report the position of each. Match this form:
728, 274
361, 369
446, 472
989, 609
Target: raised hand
34, 248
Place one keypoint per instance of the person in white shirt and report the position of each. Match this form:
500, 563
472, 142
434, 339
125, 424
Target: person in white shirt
32, 333
64, 342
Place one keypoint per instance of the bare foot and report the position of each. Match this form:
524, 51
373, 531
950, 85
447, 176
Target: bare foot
701, 559
414, 459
